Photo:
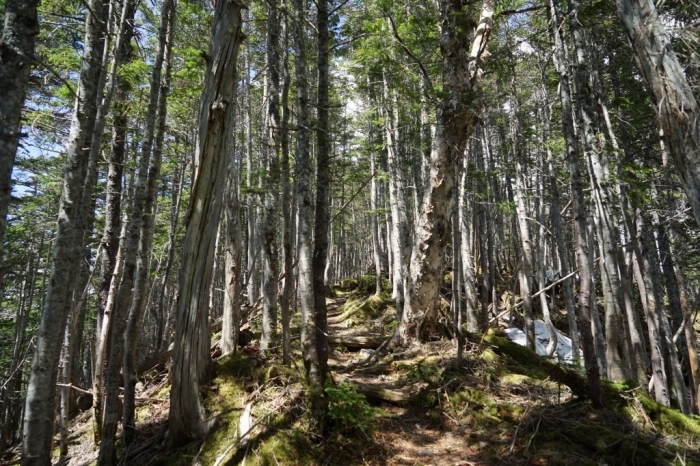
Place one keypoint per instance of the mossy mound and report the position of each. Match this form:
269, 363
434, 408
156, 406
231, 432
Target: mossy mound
277, 438
359, 309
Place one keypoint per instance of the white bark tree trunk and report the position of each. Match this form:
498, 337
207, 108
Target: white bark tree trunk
456, 118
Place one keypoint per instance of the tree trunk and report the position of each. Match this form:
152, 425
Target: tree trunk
231, 324
271, 181
456, 119
323, 198
303, 179
606, 220
41, 389
679, 115
287, 220
652, 314
19, 33
126, 289
578, 210
400, 228
466, 259
216, 120
141, 280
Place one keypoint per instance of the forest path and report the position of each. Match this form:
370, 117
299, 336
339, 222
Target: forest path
413, 431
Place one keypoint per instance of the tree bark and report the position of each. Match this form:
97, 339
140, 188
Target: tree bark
323, 198
287, 220
216, 120
400, 228
271, 181
456, 119
41, 389
21, 26
303, 178
677, 108
578, 210
160, 80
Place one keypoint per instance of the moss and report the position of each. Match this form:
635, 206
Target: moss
164, 392
362, 310
422, 369
285, 447
669, 421
142, 413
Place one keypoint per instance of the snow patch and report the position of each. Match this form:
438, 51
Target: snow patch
563, 353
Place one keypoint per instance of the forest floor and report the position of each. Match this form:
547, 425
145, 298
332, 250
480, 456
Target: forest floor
420, 406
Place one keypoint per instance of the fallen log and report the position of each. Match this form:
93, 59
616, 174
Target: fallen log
376, 392
357, 342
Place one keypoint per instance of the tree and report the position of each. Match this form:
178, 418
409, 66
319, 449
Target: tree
679, 115
456, 118
216, 118
19, 32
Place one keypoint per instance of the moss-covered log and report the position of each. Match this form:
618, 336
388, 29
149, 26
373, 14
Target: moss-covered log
526, 357
377, 393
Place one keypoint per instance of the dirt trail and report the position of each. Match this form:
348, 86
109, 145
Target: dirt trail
410, 434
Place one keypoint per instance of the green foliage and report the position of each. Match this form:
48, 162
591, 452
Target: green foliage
349, 411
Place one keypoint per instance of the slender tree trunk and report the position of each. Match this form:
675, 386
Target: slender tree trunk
231, 324
216, 121
562, 251
271, 181
651, 309
400, 229
606, 222
689, 331
127, 289
677, 107
467, 265
578, 210
323, 197
456, 120
251, 275
40, 401
287, 220
175, 198
303, 179
141, 280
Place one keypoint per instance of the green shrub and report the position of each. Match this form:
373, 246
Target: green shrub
349, 411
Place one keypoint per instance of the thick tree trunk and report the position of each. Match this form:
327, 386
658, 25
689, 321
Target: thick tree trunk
679, 115
456, 119
21, 26
216, 120
41, 390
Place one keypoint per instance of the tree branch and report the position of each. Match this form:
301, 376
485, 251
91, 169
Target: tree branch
408, 51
